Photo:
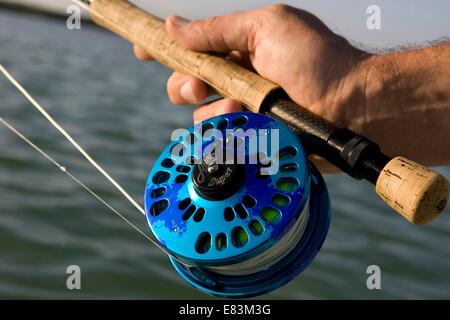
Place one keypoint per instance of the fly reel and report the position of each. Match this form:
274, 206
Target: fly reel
242, 225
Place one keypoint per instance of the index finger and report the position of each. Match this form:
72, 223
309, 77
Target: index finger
236, 31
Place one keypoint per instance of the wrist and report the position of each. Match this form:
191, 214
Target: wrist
369, 87
353, 96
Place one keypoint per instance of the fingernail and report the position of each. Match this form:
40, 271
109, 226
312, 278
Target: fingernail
187, 93
179, 21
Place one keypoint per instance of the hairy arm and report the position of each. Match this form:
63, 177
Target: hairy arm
406, 99
400, 100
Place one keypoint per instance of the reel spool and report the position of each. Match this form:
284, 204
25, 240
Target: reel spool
232, 230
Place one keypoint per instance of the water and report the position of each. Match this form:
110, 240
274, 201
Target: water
117, 109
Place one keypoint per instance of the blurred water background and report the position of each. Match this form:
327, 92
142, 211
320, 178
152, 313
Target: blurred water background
117, 109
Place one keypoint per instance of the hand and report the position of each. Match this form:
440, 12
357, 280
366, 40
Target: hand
288, 46
393, 99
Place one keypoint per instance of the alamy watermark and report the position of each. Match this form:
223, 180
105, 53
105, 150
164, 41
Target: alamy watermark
231, 146
373, 21
73, 281
374, 280
73, 22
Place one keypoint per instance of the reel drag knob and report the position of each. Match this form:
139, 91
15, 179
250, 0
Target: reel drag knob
218, 181
237, 204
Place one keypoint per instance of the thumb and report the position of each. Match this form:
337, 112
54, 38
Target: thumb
219, 34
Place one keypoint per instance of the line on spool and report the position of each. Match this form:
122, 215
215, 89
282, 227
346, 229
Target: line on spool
271, 256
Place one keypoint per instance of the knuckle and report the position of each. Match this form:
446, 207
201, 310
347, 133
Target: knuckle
280, 8
209, 23
277, 12
212, 30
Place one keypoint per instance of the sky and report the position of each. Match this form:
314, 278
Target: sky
403, 22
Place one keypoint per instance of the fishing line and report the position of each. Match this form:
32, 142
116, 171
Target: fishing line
276, 256
271, 256
70, 139
81, 150
67, 172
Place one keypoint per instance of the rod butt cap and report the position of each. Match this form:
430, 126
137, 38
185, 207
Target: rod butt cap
414, 191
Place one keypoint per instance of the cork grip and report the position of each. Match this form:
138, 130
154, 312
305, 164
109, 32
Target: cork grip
149, 33
417, 193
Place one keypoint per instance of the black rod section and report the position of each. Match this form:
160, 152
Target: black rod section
352, 153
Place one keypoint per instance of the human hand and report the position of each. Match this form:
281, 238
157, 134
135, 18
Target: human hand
392, 99
288, 46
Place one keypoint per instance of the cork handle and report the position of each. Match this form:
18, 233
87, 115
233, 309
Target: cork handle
417, 193
148, 32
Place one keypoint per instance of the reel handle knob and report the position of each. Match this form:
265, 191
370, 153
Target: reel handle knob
417, 193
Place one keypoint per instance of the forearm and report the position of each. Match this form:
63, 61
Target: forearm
405, 104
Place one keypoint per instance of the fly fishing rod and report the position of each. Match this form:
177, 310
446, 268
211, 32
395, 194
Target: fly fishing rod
233, 231
416, 192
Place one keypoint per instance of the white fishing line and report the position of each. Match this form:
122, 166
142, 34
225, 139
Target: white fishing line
84, 153
67, 172
271, 256
261, 262
38, 107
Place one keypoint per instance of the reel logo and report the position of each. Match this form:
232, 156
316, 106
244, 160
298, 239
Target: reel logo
212, 148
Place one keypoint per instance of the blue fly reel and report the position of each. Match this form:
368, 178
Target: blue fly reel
238, 205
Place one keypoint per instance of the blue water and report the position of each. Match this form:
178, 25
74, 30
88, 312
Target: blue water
117, 109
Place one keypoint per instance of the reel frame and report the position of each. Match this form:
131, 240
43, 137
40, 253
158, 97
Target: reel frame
190, 225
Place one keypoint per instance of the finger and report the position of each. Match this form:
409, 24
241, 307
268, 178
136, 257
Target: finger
187, 89
243, 59
221, 34
216, 108
141, 54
